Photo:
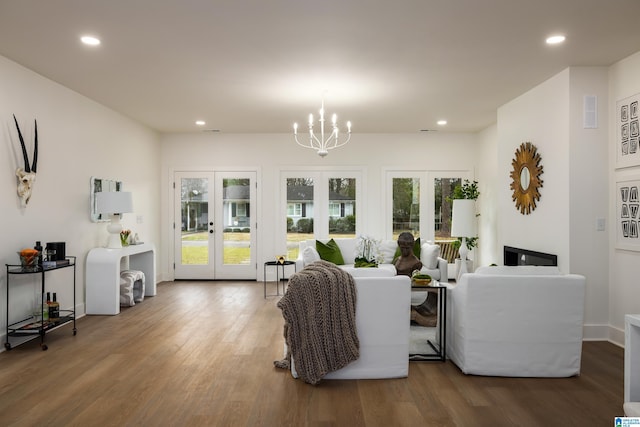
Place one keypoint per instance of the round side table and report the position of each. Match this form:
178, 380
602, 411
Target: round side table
279, 279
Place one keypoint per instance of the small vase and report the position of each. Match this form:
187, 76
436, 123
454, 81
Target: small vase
30, 262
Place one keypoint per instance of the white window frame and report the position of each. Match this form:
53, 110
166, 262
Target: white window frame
321, 178
427, 198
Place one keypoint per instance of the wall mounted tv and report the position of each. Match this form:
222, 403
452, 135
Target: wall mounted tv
517, 256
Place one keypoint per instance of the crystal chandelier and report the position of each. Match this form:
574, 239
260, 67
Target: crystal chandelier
321, 144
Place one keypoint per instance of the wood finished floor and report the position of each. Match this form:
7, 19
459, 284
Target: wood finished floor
201, 353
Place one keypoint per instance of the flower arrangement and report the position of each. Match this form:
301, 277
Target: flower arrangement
368, 254
124, 237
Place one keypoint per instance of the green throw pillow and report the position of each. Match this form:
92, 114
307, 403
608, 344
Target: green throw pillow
416, 251
330, 252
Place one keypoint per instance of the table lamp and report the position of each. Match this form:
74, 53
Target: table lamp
114, 204
463, 224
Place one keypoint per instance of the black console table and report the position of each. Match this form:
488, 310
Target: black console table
439, 348
29, 326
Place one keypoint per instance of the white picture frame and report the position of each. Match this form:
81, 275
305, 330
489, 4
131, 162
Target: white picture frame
628, 132
627, 221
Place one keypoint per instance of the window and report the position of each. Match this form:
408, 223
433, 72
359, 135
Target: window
341, 202
406, 206
299, 201
319, 204
241, 209
419, 202
294, 209
442, 190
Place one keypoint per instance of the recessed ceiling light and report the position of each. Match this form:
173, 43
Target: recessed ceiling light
200, 122
441, 122
90, 40
557, 39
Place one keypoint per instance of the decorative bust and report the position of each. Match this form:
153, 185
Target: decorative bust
407, 262
424, 314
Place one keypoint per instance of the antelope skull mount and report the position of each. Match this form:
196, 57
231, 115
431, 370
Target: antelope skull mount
27, 175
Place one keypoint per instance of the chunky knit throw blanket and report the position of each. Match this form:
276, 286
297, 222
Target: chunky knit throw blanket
319, 310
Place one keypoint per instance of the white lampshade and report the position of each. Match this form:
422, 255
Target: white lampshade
463, 224
110, 202
114, 204
463, 219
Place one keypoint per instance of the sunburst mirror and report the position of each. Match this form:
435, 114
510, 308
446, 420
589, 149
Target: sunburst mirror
525, 177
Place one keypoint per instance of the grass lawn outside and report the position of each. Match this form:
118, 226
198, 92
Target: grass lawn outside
198, 254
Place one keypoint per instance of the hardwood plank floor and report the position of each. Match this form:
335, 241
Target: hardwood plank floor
201, 354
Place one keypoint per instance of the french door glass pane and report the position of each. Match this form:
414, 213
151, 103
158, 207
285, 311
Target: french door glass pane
443, 189
406, 206
194, 196
237, 222
342, 207
299, 213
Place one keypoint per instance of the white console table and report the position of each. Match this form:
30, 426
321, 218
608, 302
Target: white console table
632, 358
103, 275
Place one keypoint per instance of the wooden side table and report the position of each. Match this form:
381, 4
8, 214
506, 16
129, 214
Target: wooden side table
279, 279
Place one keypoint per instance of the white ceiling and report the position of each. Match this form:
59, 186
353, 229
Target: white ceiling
256, 66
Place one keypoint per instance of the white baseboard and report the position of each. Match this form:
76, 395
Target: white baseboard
603, 333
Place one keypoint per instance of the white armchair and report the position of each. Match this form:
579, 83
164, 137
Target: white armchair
516, 322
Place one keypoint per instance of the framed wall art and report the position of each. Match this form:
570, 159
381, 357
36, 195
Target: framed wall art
628, 132
628, 214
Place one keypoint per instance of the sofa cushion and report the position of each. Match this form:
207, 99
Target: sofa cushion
310, 254
388, 249
382, 270
330, 252
429, 254
348, 248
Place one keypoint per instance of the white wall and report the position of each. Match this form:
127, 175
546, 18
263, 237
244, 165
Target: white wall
490, 252
589, 189
540, 116
271, 153
624, 287
574, 192
78, 138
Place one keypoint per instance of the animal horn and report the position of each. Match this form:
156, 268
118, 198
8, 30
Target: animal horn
35, 149
24, 149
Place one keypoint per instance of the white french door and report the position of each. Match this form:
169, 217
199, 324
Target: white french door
215, 226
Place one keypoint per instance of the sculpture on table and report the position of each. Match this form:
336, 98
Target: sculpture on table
26, 176
407, 262
426, 313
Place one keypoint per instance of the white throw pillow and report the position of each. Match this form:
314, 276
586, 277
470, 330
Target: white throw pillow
388, 250
309, 255
348, 248
429, 255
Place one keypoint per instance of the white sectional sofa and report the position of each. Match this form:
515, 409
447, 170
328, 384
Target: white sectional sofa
382, 320
520, 321
433, 264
